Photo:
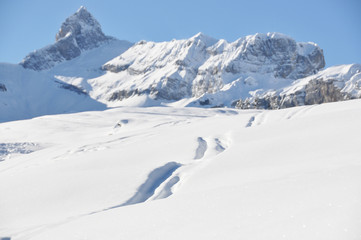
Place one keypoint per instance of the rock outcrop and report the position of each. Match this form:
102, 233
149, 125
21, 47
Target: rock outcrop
79, 32
334, 84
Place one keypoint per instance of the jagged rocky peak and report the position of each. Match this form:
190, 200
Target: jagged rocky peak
78, 33
277, 53
84, 28
206, 40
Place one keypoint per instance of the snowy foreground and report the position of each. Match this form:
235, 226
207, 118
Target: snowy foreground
183, 173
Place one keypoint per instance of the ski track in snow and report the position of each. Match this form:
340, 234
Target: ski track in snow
94, 147
250, 121
260, 119
300, 111
167, 189
220, 147
295, 112
154, 180
257, 120
171, 123
201, 149
162, 179
158, 185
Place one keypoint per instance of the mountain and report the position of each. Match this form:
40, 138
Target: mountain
192, 67
79, 32
52, 80
91, 71
75, 165
337, 83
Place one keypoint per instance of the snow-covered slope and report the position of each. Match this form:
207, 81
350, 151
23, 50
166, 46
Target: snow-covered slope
183, 173
29, 94
25, 93
173, 172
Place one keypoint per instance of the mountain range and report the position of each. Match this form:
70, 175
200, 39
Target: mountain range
86, 70
174, 140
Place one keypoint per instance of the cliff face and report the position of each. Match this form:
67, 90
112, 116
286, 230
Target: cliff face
78, 33
192, 67
331, 85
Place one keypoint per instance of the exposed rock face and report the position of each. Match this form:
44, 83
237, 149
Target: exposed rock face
342, 84
71, 87
192, 67
122, 94
79, 32
315, 92
278, 54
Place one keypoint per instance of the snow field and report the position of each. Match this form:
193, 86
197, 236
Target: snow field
185, 173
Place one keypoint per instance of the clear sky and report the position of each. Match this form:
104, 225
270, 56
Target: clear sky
335, 25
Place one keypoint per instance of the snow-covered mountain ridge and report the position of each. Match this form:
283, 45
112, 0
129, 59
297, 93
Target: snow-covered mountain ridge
192, 67
252, 72
333, 84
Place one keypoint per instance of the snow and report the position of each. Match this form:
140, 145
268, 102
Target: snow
209, 41
203, 65
31, 93
81, 8
8, 149
185, 72
346, 77
184, 173
306, 49
77, 164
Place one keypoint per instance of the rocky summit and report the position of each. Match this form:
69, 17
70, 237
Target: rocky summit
79, 32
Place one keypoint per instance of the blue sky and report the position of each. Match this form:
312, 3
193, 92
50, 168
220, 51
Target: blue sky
335, 25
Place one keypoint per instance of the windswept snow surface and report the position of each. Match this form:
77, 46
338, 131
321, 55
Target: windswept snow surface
62, 89
185, 173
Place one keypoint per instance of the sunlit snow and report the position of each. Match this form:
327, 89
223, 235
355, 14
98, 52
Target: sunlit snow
184, 173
